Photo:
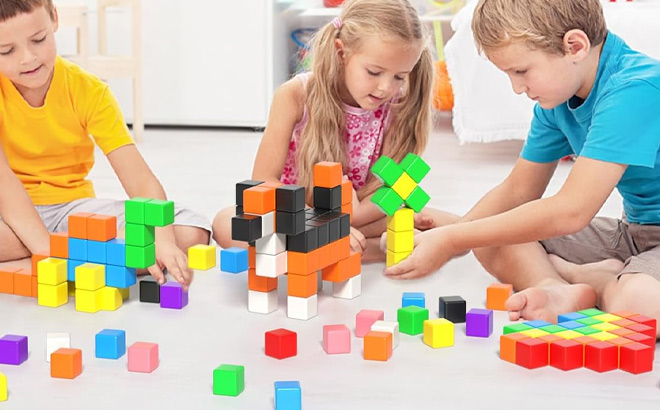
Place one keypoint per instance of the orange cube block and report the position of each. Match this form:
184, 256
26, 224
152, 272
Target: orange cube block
35, 286
344, 269
300, 263
259, 200
340, 249
378, 346
346, 193
7, 280
302, 286
327, 174
36, 257
66, 363
348, 209
59, 245
323, 256
23, 283
252, 257
260, 283
271, 184
78, 225
497, 294
508, 346
101, 228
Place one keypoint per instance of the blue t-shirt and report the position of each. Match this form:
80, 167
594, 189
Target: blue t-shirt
619, 122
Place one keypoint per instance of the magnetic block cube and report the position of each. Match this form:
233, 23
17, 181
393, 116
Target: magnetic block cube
601, 356
302, 308
414, 166
260, 283
591, 312
378, 346
173, 296
90, 276
52, 271
497, 295
134, 210
66, 363
23, 283
101, 228
404, 186
201, 257
140, 235
97, 252
508, 346
140, 257
290, 198
281, 343
390, 327
120, 277
78, 225
516, 327
142, 357
387, 200
327, 198
109, 298
88, 301
116, 252
336, 339
302, 286
636, 358
411, 319
246, 228
59, 245
413, 298
417, 199
241, 187
393, 258
644, 320
110, 344
158, 212
7, 280
290, 223
55, 341
566, 354
364, 319
387, 170
438, 333
35, 259
402, 220
78, 249
288, 395
13, 349
228, 380
531, 353
52, 296
346, 193
327, 174
567, 317
3, 387
259, 200
452, 308
399, 242
262, 302
479, 322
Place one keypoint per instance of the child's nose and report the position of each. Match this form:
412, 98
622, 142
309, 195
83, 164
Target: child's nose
385, 85
27, 56
518, 88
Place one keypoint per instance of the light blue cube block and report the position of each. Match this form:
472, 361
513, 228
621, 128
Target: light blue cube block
288, 395
120, 276
78, 249
233, 260
97, 252
110, 344
116, 250
413, 299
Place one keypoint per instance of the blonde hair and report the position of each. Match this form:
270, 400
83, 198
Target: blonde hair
11, 8
541, 24
323, 137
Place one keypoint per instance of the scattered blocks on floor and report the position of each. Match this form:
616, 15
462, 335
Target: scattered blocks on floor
228, 380
497, 294
172, 296
110, 344
336, 339
281, 343
56, 341
201, 257
378, 346
288, 395
66, 363
413, 298
13, 349
438, 333
143, 357
390, 327
364, 319
234, 260
452, 308
636, 358
149, 290
479, 322
411, 319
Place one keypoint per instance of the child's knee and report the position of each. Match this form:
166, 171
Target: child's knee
630, 292
222, 227
187, 236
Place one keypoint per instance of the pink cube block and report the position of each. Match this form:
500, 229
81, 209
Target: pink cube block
364, 319
336, 339
142, 357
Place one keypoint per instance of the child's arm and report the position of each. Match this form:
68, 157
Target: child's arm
18, 212
138, 181
585, 191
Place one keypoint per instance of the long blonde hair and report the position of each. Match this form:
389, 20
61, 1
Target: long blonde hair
323, 137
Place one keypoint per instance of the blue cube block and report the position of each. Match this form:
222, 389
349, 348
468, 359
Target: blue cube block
570, 325
116, 250
120, 276
13, 349
479, 323
288, 396
233, 260
110, 344
570, 316
78, 249
97, 252
71, 266
413, 299
537, 323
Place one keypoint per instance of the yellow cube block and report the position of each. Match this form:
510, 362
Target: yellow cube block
607, 317
603, 336
90, 276
398, 242
201, 257
438, 333
3, 387
569, 334
51, 271
402, 220
605, 326
88, 300
71, 287
534, 333
125, 293
52, 295
110, 298
395, 257
404, 186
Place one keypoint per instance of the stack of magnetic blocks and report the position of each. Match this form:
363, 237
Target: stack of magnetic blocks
401, 185
286, 238
589, 338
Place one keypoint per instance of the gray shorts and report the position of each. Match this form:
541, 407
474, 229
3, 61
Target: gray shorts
56, 217
637, 246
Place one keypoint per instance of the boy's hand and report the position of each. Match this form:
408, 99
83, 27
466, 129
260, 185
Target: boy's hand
430, 254
170, 257
358, 241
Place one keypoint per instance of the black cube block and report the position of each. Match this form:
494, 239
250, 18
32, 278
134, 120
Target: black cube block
290, 223
327, 198
304, 242
290, 198
332, 219
344, 225
322, 231
452, 308
149, 290
242, 186
246, 227
313, 213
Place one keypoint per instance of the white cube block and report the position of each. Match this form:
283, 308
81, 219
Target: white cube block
262, 302
348, 289
302, 308
56, 341
390, 327
271, 266
267, 224
272, 244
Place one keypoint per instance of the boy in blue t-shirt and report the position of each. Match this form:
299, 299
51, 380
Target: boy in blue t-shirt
600, 100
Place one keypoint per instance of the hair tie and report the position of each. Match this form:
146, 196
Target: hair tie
337, 22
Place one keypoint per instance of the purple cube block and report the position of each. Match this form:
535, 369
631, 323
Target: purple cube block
172, 296
13, 349
479, 323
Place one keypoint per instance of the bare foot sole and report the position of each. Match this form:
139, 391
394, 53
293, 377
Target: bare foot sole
574, 273
546, 302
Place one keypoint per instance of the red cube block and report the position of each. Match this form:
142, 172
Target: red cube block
636, 358
643, 329
641, 338
566, 354
645, 320
601, 356
532, 353
281, 343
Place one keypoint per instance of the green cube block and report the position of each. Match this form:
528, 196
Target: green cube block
140, 257
588, 321
415, 167
515, 328
140, 235
159, 213
587, 330
134, 210
417, 199
591, 312
386, 170
387, 200
552, 328
411, 319
228, 380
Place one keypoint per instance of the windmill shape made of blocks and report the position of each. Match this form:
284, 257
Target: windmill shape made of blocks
286, 238
400, 186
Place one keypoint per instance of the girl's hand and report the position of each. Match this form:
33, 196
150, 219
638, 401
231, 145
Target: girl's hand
358, 241
424, 222
430, 254
170, 257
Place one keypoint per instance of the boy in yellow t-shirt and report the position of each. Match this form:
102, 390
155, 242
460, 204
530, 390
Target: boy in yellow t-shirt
48, 110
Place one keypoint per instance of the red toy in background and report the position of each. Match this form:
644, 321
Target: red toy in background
332, 3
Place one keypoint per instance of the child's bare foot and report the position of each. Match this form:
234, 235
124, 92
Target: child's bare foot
545, 302
574, 273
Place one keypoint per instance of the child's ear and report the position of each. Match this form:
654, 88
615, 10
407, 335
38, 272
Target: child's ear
56, 22
339, 48
576, 44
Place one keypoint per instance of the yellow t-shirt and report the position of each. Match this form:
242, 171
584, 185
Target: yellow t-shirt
49, 148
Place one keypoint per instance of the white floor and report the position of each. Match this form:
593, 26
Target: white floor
199, 169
